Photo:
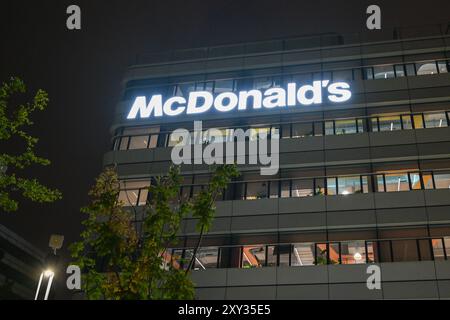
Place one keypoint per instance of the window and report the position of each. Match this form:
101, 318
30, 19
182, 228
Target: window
399, 70
410, 69
329, 128
435, 120
285, 188
345, 126
286, 131
223, 86
274, 189
272, 256
133, 193
380, 183
367, 73
173, 141
353, 252
407, 122
302, 254
442, 180
424, 68
342, 75
284, 253
438, 249
396, 182
256, 190
139, 138
415, 181
428, 180
253, 256
442, 66
182, 90
349, 185
206, 258
262, 83
331, 186
302, 130
321, 253
418, 121
389, 123
405, 250
318, 129
383, 72
302, 188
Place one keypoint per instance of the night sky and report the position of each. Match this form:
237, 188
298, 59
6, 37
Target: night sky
82, 70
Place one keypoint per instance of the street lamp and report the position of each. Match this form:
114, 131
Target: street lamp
51, 261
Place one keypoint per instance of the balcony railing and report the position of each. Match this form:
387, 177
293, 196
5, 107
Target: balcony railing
312, 253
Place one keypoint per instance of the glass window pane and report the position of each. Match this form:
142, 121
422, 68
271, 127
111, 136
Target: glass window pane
272, 256
329, 128
124, 143
345, 126
302, 188
256, 190
334, 253
442, 180
302, 130
415, 181
410, 70
153, 141
284, 251
285, 188
360, 123
349, 185
383, 72
435, 120
407, 122
438, 249
365, 184
390, 123
342, 75
262, 83
318, 129
367, 73
442, 67
320, 186
285, 131
143, 194
371, 249
426, 68
374, 124
183, 90
223, 86
206, 258
274, 189
129, 197
380, 183
427, 180
353, 252
138, 142
396, 182
321, 253
399, 70
405, 250
253, 256
302, 254
418, 121
331, 186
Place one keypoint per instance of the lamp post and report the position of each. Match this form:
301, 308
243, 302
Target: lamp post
51, 261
